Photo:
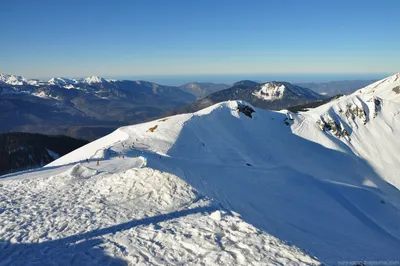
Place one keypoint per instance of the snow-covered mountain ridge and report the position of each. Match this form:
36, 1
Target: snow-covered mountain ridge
12, 79
64, 82
221, 188
367, 122
67, 106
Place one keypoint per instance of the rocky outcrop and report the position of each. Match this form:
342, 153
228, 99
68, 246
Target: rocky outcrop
245, 109
377, 106
354, 111
335, 127
339, 122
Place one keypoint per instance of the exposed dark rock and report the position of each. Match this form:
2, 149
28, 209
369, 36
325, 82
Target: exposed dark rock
377, 106
333, 126
245, 109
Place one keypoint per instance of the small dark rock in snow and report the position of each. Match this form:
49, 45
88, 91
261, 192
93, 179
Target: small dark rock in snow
245, 109
396, 89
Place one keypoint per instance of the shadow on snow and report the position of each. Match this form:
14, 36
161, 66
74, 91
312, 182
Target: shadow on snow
82, 249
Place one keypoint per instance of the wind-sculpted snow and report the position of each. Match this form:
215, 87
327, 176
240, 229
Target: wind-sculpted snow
138, 216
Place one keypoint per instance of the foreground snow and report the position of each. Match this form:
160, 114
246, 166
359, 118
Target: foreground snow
220, 188
140, 216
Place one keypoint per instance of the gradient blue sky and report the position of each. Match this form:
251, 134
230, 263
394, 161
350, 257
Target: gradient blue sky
41, 39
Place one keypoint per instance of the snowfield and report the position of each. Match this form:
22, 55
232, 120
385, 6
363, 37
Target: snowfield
220, 188
87, 216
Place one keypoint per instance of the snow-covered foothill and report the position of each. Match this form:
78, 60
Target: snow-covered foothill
272, 91
93, 79
44, 95
63, 82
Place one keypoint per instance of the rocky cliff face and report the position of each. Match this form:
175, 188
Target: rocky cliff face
344, 115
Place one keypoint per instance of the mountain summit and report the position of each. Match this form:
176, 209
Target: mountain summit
271, 95
272, 91
12, 79
93, 79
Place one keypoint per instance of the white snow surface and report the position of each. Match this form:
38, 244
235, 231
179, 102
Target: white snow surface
12, 79
34, 82
219, 188
93, 79
67, 83
272, 91
86, 215
44, 95
63, 82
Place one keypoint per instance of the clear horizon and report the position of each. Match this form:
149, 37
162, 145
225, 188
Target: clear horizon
209, 38
176, 80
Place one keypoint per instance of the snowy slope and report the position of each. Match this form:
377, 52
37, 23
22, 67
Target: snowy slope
368, 123
93, 79
272, 91
12, 79
102, 215
220, 188
63, 82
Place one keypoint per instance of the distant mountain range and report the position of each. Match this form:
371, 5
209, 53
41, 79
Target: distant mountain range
85, 108
270, 95
92, 107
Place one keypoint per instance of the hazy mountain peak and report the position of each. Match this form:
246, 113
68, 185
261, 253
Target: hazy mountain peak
247, 83
93, 79
12, 79
202, 89
62, 81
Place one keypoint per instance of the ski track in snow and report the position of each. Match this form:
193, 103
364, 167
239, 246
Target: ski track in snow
220, 188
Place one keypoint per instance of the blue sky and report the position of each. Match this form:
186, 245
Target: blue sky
43, 39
